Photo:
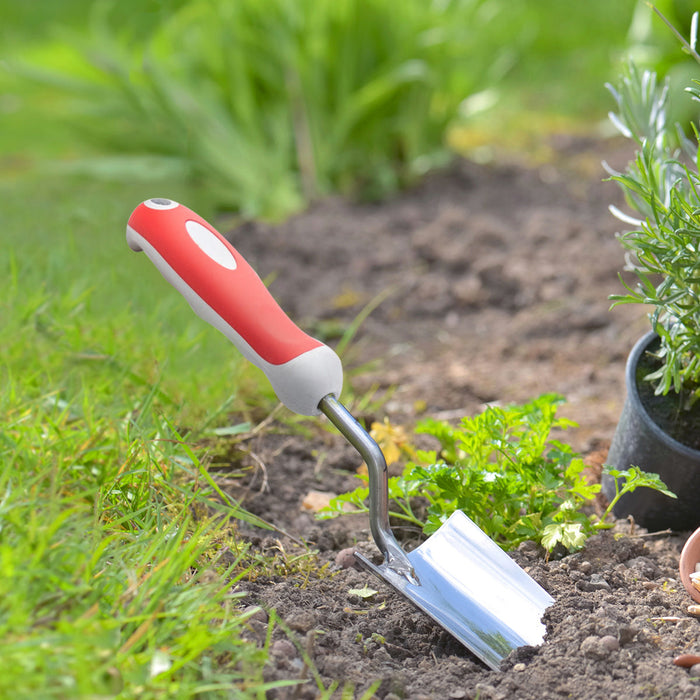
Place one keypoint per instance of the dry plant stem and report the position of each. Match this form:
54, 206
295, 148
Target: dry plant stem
658, 533
265, 486
689, 47
304, 673
263, 424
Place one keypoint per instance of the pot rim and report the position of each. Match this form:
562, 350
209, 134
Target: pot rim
632, 392
690, 555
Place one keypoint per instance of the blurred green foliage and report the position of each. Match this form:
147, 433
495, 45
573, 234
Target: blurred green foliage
38, 20
653, 46
273, 104
270, 105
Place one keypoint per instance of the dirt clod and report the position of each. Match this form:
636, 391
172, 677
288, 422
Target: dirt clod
301, 621
345, 558
609, 643
283, 649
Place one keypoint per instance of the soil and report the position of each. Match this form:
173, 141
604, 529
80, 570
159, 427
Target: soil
498, 277
681, 425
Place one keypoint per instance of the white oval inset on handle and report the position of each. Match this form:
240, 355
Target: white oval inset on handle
210, 245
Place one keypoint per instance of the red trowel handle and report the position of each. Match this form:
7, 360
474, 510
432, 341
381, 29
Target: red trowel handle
226, 292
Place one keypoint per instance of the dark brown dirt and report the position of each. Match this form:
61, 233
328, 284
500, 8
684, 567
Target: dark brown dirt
499, 277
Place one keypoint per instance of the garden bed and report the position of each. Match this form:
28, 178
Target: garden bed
499, 277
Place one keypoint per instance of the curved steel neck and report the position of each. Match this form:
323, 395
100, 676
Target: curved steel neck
358, 437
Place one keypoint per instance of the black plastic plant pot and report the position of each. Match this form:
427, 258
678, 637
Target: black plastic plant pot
640, 442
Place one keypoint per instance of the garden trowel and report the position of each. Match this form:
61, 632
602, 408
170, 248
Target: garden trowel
459, 576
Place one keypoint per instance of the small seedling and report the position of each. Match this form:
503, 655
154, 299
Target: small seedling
506, 473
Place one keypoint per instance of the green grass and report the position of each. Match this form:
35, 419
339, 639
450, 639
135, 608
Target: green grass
109, 584
104, 586
80, 308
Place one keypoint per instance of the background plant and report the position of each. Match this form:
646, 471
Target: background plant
504, 470
653, 47
269, 106
661, 185
273, 104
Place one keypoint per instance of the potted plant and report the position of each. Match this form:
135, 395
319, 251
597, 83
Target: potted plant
659, 429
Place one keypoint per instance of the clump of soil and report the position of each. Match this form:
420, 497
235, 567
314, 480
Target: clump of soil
500, 276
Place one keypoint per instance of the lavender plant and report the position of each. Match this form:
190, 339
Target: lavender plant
662, 186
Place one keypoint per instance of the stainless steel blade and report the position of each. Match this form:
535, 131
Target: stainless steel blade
459, 576
473, 589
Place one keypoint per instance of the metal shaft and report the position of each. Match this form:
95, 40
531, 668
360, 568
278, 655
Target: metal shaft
358, 437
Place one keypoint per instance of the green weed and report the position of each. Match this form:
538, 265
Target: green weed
504, 471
